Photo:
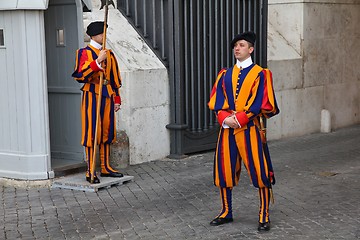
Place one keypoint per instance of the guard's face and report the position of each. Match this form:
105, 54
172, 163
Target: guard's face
98, 38
242, 50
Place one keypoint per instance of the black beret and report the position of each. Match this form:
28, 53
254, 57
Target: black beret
247, 36
95, 28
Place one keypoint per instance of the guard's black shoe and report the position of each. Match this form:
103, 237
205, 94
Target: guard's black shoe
96, 180
218, 221
264, 226
112, 174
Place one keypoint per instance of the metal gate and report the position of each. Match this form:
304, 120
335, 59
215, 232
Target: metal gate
192, 38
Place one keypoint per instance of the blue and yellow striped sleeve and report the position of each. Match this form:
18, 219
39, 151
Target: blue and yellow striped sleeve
218, 100
85, 66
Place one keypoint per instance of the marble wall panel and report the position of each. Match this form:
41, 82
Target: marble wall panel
150, 140
343, 101
287, 74
286, 21
351, 49
148, 88
300, 111
323, 62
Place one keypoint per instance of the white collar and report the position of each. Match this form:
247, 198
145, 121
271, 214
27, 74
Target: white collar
95, 44
244, 64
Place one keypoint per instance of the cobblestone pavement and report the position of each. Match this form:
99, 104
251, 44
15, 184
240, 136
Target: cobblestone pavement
317, 196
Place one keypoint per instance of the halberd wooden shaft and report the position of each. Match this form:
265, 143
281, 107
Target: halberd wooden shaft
98, 104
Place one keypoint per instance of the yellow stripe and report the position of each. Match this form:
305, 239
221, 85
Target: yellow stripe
212, 101
216, 172
234, 78
242, 103
106, 120
76, 60
116, 72
225, 201
83, 111
262, 204
266, 190
246, 88
240, 143
226, 160
255, 154
90, 139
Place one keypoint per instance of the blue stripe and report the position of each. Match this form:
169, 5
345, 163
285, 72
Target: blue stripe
92, 88
256, 105
220, 159
262, 205
251, 169
229, 198
220, 98
87, 149
102, 110
233, 154
264, 178
86, 100
229, 88
106, 156
93, 115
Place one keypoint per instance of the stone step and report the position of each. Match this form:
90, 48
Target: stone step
78, 182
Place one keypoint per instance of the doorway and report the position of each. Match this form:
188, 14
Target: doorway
64, 95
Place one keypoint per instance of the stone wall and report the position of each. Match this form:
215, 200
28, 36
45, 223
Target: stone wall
312, 48
145, 93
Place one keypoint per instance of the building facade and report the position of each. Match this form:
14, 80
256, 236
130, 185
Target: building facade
312, 48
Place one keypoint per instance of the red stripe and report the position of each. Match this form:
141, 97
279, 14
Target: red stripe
83, 59
265, 105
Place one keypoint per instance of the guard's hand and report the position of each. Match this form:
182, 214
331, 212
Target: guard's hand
231, 122
117, 107
102, 56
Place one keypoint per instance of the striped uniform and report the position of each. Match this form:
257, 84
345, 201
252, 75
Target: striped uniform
88, 73
247, 94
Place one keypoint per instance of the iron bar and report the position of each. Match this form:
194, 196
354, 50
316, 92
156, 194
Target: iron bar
127, 8
162, 32
187, 58
145, 25
198, 64
192, 63
136, 14
154, 40
212, 71
205, 81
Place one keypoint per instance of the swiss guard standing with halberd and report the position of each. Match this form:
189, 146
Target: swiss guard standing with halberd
90, 61
241, 96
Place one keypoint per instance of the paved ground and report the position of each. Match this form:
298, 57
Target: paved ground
317, 196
